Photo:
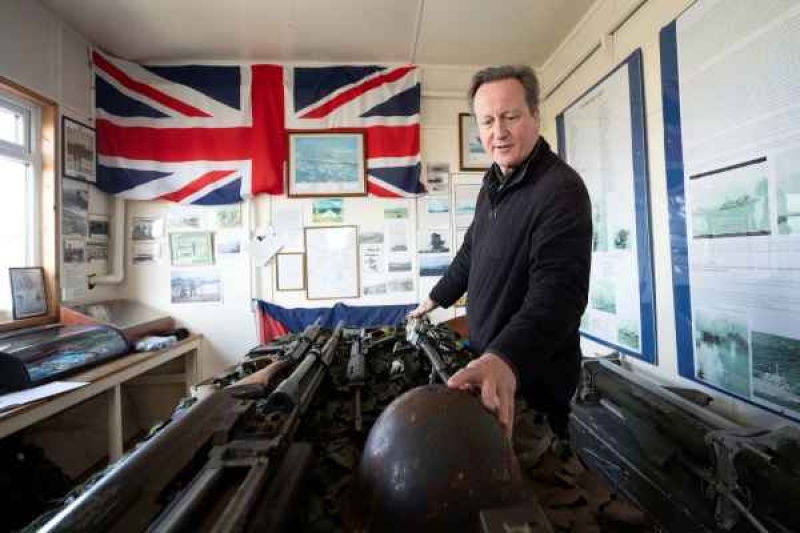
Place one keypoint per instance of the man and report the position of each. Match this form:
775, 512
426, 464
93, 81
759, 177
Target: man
525, 259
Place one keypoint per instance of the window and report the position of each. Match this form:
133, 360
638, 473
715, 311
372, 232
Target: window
20, 160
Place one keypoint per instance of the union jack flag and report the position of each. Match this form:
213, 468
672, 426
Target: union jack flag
384, 102
215, 134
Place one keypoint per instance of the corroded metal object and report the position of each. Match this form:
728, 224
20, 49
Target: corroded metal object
433, 460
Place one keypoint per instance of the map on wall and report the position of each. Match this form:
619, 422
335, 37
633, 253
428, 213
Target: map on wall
733, 174
601, 135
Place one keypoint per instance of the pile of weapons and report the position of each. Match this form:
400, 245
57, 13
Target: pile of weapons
689, 468
284, 430
235, 460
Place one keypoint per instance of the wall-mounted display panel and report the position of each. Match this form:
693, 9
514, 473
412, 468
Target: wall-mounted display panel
730, 86
602, 136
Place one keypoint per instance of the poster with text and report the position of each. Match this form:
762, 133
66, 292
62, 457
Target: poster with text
733, 176
601, 135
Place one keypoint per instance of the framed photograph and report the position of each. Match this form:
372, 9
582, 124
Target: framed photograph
471, 155
28, 294
192, 248
77, 149
98, 227
324, 163
195, 286
327, 211
332, 269
147, 228
290, 272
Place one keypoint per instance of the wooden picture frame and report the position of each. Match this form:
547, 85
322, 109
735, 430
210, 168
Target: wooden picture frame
326, 163
471, 155
332, 262
284, 263
28, 292
78, 155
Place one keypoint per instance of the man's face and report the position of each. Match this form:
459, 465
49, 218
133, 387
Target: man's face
508, 128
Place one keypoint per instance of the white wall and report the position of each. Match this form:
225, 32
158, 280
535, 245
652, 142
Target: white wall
640, 31
229, 326
40, 53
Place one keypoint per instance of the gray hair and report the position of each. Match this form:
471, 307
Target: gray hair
522, 73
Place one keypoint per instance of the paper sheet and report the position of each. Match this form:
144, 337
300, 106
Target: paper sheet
17, 399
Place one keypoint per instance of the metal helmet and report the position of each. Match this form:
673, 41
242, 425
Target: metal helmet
432, 461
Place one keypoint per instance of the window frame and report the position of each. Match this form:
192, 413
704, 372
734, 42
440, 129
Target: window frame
39, 152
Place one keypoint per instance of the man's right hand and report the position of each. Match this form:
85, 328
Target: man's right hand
423, 308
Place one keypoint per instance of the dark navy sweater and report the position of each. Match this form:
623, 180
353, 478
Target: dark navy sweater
525, 264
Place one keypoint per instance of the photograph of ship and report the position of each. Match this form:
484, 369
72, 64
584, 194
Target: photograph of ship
722, 351
195, 286
604, 296
776, 369
731, 202
371, 290
628, 334
399, 266
401, 285
370, 237
432, 264
788, 192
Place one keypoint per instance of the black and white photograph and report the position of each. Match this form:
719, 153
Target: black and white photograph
228, 216
437, 178
97, 251
396, 265
374, 289
434, 241
74, 251
227, 244
433, 264
78, 150
195, 286
187, 217
74, 209
28, 294
401, 285
98, 227
147, 228
146, 252
370, 237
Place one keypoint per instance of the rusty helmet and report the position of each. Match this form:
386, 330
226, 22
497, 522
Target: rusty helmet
433, 459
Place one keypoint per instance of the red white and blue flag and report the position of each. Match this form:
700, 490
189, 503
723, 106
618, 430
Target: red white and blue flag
384, 102
215, 134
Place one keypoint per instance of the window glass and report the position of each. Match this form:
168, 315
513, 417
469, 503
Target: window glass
17, 194
12, 124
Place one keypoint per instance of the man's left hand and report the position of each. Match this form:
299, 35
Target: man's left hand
494, 378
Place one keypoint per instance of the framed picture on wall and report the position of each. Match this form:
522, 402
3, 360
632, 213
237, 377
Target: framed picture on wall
471, 155
77, 150
28, 294
324, 163
192, 248
332, 266
290, 272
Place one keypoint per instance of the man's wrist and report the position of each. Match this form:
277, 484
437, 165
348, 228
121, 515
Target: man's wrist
506, 359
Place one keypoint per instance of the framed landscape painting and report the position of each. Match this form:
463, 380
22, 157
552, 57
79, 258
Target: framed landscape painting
324, 163
471, 155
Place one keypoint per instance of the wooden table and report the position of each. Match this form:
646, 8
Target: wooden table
110, 377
